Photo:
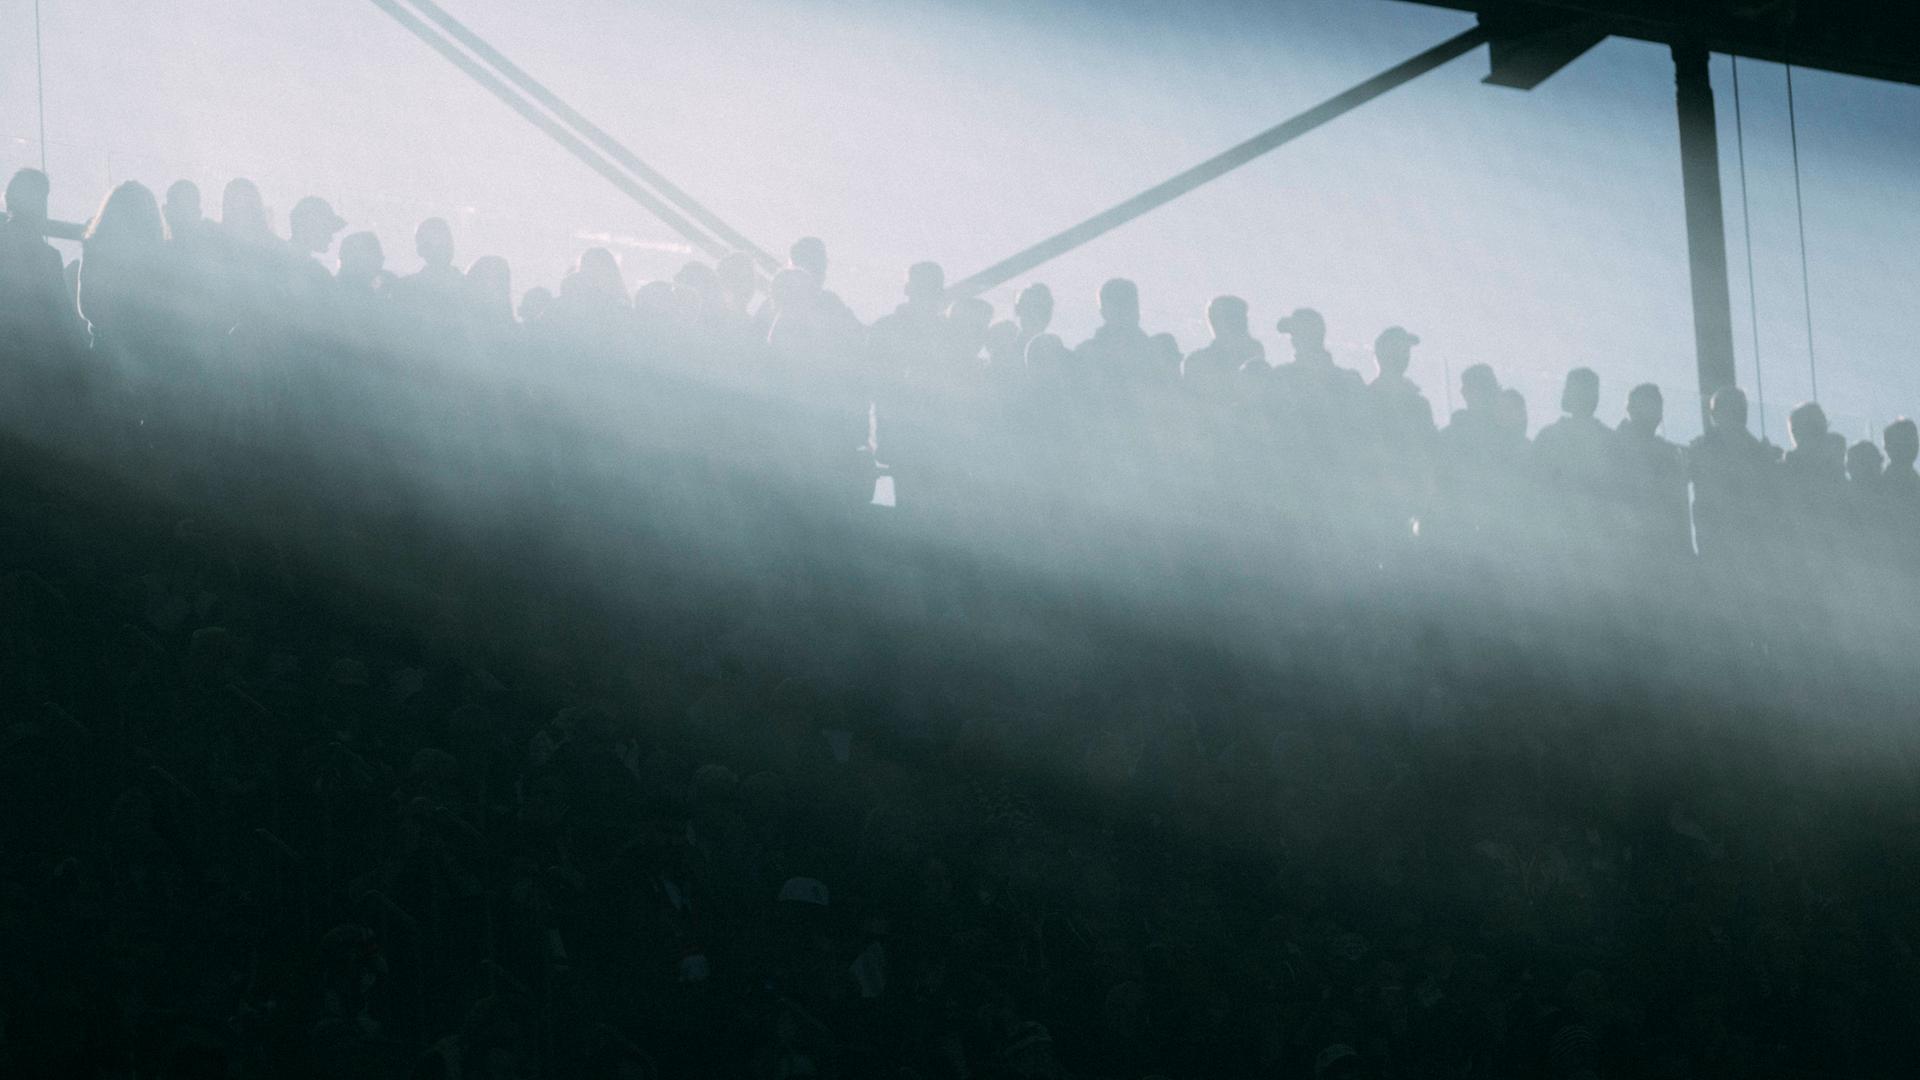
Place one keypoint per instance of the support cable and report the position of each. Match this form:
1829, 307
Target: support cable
40, 84
604, 142
1219, 165
554, 130
1800, 214
1746, 226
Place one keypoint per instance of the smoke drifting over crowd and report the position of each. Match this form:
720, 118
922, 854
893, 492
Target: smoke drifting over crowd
413, 665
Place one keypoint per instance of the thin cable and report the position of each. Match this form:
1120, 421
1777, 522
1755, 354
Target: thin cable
1800, 212
1746, 227
40, 81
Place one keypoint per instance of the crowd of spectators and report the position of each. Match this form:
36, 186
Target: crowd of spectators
701, 681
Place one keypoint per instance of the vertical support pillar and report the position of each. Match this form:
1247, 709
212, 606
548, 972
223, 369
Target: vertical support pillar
1706, 225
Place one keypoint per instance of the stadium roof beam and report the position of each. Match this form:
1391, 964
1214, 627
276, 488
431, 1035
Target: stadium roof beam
1219, 165
604, 142
1870, 38
554, 130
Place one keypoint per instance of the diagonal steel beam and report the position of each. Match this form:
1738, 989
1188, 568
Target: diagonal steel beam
604, 142
571, 142
1219, 165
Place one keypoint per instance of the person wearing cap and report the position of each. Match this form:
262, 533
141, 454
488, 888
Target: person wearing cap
1398, 405
1399, 423
1318, 404
313, 225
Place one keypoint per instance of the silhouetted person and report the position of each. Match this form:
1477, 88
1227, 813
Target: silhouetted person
1730, 470
535, 303
433, 292
1473, 435
1510, 410
739, 285
194, 256
1119, 349
37, 314
489, 300
182, 211
363, 264
311, 226
1476, 454
1865, 464
251, 257
1312, 372
912, 339
1396, 402
1032, 314
1650, 478
801, 332
1216, 366
1900, 483
120, 262
1399, 428
243, 214
1816, 465
809, 255
360, 291
1573, 449
968, 321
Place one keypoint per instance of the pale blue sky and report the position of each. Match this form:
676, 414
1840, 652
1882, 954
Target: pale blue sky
1534, 231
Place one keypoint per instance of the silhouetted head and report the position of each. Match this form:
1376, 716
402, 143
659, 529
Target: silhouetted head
1864, 461
1807, 424
1902, 440
27, 194
1646, 408
361, 258
599, 275
738, 278
1727, 409
1164, 348
653, 303
313, 225
534, 303
1307, 329
1393, 350
182, 208
1120, 303
1047, 354
1580, 395
490, 286
704, 282
809, 253
969, 320
1227, 317
1478, 387
1510, 408
793, 289
926, 284
433, 242
1034, 308
243, 213
129, 220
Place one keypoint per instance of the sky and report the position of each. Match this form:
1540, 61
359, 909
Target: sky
1534, 231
